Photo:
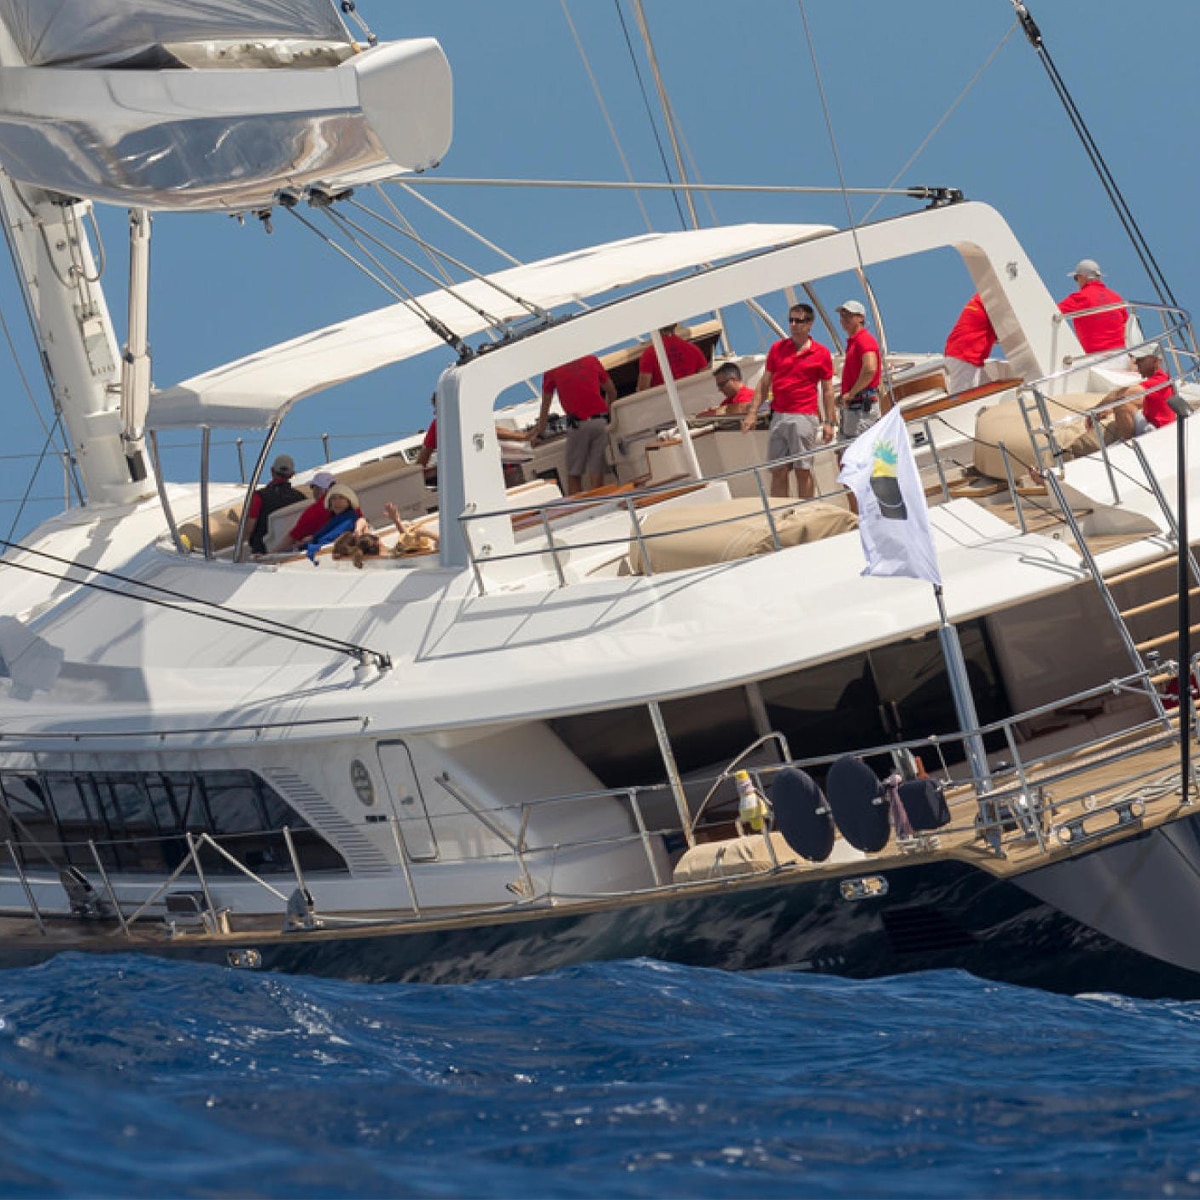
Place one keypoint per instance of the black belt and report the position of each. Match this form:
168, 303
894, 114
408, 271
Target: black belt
864, 401
573, 422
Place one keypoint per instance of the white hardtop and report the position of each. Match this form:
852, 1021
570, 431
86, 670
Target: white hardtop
255, 391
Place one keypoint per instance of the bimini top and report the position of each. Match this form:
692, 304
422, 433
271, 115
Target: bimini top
256, 390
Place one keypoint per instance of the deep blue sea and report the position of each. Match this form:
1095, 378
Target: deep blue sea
124, 1076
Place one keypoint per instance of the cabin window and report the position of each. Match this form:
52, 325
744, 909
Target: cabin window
138, 822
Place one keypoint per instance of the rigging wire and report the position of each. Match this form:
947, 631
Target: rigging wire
665, 104
637, 70
1133, 231
912, 158
612, 130
766, 189
222, 613
350, 228
41, 458
436, 254
837, 159
404, 296
458, 224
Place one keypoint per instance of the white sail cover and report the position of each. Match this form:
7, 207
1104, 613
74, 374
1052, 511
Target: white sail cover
96, 32
258, 389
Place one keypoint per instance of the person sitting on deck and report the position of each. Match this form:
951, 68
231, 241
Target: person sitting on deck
276, 494
345, 516
314, 516
685, 358
735, 395
413, 539
1149, 401
1100, 331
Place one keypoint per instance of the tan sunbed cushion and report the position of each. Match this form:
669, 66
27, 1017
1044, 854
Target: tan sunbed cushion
1003, 423
697, 535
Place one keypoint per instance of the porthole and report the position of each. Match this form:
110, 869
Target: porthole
360, 779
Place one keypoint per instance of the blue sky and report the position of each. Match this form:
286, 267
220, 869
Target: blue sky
742, 84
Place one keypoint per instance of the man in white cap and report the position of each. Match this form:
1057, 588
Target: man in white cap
314, 516
858, 402
1103, 330
277, 494
1148, 401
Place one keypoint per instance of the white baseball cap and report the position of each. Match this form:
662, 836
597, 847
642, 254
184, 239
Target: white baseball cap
852, 306
323, 480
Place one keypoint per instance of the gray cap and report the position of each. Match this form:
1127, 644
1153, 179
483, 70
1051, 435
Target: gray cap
1089, 268
284, 464
852, 306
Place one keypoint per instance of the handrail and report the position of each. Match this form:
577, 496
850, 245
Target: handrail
997, 810
610, 505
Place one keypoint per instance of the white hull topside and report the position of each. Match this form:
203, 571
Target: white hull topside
462, 659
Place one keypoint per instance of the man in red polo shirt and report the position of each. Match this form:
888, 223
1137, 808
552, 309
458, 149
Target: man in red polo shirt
968, 346
858, 404
585, 392
685, 358
1100, 331
1149, 405
797, 369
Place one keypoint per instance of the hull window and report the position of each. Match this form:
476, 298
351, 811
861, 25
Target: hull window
139, 822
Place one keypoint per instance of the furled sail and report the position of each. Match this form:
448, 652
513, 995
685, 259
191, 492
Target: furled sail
211, 104
111, 32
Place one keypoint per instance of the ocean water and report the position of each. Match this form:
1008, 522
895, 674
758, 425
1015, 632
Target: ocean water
124, 1076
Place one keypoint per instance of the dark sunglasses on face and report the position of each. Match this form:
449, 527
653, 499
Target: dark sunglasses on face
800, 320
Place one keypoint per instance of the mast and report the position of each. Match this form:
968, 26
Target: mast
74, 331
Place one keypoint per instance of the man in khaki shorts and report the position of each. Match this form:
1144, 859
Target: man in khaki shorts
797, 369
585, 391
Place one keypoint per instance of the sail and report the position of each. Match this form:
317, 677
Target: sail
106, 32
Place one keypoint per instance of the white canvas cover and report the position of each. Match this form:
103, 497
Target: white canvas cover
252, 391
92, 32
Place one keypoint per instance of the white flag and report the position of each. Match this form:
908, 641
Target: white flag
893, 521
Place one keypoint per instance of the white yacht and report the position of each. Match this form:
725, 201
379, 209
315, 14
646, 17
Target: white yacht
671, 717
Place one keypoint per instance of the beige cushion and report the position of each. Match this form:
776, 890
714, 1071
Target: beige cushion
690, 535
1003, 423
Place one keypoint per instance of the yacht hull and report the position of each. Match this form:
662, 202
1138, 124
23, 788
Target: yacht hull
945, 914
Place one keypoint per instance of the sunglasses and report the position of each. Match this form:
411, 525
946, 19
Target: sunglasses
800, 320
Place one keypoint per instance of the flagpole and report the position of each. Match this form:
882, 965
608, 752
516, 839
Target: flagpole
960, 690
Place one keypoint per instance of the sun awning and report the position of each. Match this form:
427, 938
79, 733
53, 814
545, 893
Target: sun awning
253, 391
